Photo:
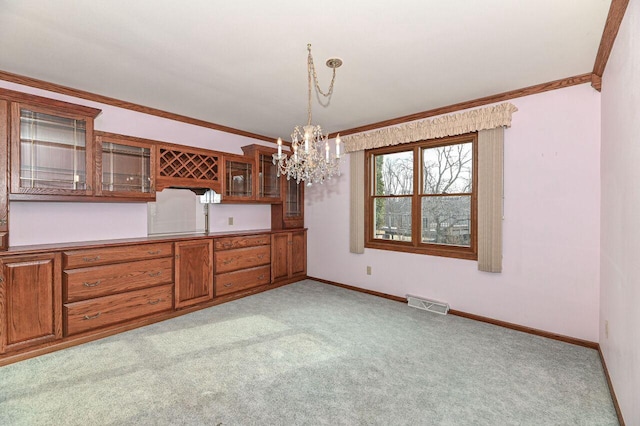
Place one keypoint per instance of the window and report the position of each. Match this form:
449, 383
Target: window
421, 197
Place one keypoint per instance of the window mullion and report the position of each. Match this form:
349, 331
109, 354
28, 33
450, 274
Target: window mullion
416, 213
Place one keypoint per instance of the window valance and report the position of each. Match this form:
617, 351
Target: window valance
446, 125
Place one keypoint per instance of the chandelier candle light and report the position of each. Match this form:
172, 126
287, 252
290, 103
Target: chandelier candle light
308, 162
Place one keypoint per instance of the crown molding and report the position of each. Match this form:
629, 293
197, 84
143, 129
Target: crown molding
609, 34
500, 97
64, 90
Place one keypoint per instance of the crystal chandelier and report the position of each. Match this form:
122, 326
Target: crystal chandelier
311, 159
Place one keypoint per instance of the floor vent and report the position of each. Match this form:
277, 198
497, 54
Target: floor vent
428, 305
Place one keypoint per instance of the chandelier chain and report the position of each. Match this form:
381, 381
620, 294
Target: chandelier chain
311, 71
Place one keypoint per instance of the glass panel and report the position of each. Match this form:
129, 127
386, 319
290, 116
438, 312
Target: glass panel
238, 179
52, 151
447, 169
392, 218
447, 220
394, 173
126, 168
269, 182
293, 201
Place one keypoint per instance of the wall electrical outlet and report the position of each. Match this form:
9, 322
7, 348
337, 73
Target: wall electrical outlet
606, 329
230, 221
368, 270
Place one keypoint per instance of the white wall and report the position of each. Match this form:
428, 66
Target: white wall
45, 222
620, 248
550, 278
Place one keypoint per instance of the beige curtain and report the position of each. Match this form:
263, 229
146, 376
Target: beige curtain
490, 197
356, 214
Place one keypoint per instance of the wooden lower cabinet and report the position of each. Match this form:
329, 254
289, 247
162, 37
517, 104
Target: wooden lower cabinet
30, 301
288, 255
193, 272
60, 297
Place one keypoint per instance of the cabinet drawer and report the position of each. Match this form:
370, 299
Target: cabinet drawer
241, 280
241, 242
92, 257
232, 260
108, 310
85, 283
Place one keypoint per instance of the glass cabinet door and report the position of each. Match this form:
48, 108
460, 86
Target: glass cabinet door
52, 152
125, 167
269, 181
238, 179
293, 200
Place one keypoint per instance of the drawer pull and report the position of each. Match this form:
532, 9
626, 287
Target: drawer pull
90, 317
261, 277
155, 274
93, 284
154, 302
228, 285
155, 252
260, 256
91, 259
227, 245
226, 262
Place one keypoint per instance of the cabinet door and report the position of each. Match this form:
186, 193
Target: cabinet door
4, 176
30, 301
269, 186
51, 151
238, 183
299, 253
280, 248
293, 216
193, 272
123, 167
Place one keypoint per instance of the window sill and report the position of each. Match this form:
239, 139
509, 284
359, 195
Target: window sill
453, 252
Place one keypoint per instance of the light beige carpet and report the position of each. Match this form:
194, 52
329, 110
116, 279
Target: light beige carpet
311, 354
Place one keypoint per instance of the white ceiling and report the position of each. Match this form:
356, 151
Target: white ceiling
242, 63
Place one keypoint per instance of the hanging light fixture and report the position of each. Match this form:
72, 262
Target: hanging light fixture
311, 159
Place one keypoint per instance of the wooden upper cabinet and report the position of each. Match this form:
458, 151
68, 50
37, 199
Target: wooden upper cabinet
268, 183
185, 167
239, 179
290, 214
30, 301
124, 166
52, 149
